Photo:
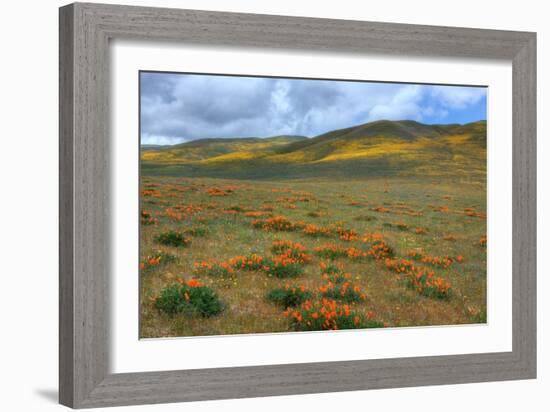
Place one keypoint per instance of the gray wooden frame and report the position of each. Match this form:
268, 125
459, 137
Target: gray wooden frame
85, 31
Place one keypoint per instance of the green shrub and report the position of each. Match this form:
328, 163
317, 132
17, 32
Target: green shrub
289, 296
338, 285
333, 271
189, 298
283, 268
172, 238
344, 292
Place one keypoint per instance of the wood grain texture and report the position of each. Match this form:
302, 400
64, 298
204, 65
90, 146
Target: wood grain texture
524, 186
85, 31
66, 229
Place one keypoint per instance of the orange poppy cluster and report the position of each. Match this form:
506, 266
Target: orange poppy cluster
442, 261
174, 239
470, 211
180, 212
150, 193
397, 209
339, 287
295, 289
231, 210
399, 265
371, 237
405, 210
330, 231
155, 260
289, 249
380, 249
277, 223
282, 224
252, 262
347, 235
329, 314
427, 284
477, 315
287, 262
146, 218
215, 269
332, 251
423, 281
293, 199
258, 213
317, 231
483, 241
381, 209
221, 191
192, 283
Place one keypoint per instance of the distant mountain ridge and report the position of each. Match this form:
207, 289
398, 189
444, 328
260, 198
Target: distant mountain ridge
380, 147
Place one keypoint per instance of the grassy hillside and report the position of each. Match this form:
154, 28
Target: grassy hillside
381, 148
216, 149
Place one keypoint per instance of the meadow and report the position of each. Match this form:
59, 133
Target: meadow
234, 255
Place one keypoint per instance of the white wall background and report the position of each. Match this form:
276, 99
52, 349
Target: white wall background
28, 206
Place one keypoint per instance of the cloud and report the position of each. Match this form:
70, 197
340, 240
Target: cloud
176, 108
458, 97
404, 104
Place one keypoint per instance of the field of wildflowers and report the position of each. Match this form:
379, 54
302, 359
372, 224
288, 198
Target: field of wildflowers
234, 256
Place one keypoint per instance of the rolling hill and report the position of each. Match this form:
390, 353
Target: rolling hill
214, 149
373, 149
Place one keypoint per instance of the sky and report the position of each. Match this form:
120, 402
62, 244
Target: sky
176, 108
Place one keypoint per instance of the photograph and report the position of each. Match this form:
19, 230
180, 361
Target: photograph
283, 205
268, 206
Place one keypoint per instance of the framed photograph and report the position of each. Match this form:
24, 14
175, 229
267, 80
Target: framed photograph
256, 205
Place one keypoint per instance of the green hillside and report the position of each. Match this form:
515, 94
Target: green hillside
380, 148
216, 149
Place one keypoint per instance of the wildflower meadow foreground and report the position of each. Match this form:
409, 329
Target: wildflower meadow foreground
222, 256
